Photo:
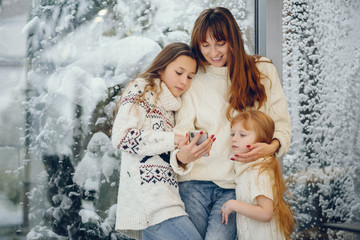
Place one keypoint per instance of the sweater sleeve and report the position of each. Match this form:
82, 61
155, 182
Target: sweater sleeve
185, 117
261, 185
128, 133
278, 110
184, 122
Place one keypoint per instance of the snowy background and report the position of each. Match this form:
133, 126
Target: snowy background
321, 54
63, 66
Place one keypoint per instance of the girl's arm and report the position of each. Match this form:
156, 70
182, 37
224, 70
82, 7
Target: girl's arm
128, 133
262, 212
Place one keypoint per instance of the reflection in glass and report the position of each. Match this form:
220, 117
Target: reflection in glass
62, 66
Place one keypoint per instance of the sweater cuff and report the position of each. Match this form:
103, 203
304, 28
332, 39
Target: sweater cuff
283, 146
170, 141
181, 170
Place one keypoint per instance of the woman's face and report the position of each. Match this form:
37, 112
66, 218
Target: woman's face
240, 138
178, 74
215, 52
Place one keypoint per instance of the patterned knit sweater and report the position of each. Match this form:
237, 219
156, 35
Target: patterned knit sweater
204, 107
148, 191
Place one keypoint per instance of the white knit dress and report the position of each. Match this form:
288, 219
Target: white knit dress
249, 185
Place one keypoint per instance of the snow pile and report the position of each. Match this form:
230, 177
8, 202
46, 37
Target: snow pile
79, 84
98, 161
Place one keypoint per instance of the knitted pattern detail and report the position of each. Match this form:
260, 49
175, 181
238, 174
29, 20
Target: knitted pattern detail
130, 142
151, 109
155, 173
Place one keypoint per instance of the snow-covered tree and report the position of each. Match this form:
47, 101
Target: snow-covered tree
301, 56
321, 79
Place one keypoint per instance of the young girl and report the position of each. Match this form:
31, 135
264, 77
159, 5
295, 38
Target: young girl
261, 210
148, 197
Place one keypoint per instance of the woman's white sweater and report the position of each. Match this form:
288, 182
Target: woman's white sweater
148, 192
204, 107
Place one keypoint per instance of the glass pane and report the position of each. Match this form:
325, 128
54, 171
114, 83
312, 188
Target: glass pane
13, 17
321, 82
62, 64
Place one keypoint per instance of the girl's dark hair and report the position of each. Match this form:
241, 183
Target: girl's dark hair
167, 55
245, 89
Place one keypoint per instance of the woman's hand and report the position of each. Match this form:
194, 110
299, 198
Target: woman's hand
256, 151
190, 152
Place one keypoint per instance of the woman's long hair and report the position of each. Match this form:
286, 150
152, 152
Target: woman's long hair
264, 128
245, 89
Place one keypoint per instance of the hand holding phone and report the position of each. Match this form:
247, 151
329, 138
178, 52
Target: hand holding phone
203, 137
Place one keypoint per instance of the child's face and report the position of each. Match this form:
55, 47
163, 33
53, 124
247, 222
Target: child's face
178, 74
240, 137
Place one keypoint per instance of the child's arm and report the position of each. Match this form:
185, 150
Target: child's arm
262, 212
128, 134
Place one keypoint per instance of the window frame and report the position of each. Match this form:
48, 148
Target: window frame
268, 31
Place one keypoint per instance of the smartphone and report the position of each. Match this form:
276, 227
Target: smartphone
203, 137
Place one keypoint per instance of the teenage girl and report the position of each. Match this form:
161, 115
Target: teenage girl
149, 204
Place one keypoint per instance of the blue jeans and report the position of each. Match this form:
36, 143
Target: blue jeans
203, 201
178, 228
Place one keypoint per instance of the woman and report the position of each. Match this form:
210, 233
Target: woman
228, 81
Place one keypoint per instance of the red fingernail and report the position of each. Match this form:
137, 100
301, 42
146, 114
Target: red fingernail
214, 139
247, 146
212, 136
201, 132
236, 155
232, 159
